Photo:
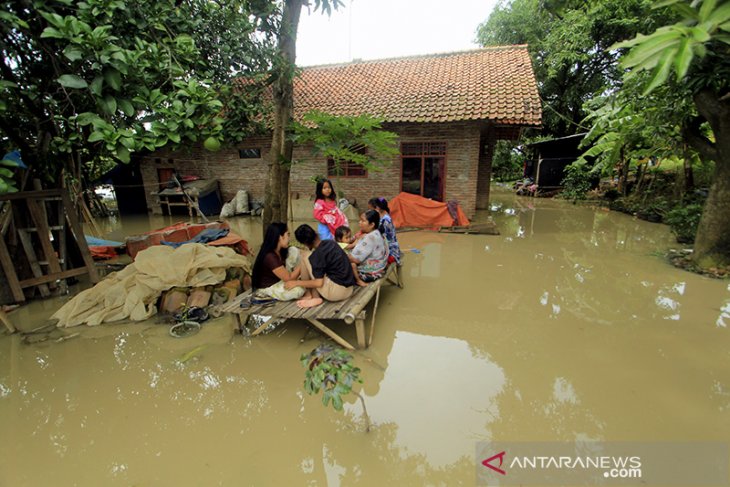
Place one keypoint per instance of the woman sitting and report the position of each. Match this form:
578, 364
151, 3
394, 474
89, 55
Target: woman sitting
370, 255
386, 227
276, 264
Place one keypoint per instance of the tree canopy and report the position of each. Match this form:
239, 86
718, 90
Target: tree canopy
568, 41
83, 81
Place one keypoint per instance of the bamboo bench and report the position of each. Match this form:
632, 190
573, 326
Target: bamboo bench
351, 310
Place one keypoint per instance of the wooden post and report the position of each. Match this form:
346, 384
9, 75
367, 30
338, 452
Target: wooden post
10, 274
360, 329
372, 320
35, 267
78, 234
6, 321
319, 325
43, 235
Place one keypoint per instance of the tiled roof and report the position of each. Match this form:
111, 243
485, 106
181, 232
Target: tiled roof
495, 83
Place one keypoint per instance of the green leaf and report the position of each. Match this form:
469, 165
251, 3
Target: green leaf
123, 154
699, 34
665, 3
706, 9
721, 15
72, 81
684, 59
127, 142
113, 78
96, 136
662, 71
109, 103
96, 85
6, 172
73, 53
51, 33
685, 11
337, 402
126, 107
650, 48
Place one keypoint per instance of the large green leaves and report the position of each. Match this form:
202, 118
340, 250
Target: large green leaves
674, 48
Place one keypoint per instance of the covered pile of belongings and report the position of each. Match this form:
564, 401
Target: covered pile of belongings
213, 233
201, 272
410, 210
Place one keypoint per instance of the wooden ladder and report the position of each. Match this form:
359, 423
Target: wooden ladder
31, 207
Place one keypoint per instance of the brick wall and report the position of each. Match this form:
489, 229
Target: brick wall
462, 140
484, 176
462, 167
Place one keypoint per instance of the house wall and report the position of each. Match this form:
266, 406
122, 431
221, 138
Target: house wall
484, 173
462, 167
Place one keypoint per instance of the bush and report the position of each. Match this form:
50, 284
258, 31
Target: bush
577, 182
684, 220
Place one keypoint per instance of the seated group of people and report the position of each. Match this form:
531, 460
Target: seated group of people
327, 269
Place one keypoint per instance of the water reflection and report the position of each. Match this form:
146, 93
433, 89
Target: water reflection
457, 388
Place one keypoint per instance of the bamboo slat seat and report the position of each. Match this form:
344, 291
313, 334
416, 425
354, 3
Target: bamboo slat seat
351, 310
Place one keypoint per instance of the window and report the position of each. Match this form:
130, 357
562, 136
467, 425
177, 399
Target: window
249, 153
423, 169
347, 169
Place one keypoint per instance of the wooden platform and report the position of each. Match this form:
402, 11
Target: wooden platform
351, 310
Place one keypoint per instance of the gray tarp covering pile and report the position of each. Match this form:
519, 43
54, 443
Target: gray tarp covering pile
133, 292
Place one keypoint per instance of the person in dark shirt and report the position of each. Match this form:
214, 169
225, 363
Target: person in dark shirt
325, 271
277, 263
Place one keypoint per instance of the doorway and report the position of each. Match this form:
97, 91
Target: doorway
423, 169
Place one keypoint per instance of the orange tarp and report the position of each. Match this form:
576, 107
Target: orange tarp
410, 210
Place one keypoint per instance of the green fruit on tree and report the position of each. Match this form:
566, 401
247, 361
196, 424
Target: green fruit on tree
212, 144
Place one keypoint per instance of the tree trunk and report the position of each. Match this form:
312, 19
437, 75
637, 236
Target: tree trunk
689, 178
712, 243
277, 183
623, 174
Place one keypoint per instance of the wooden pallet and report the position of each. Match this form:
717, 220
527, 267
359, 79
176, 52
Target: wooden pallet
351, 310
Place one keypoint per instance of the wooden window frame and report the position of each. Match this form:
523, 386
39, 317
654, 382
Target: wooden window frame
424, 153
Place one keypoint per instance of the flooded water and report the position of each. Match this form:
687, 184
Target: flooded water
566, 327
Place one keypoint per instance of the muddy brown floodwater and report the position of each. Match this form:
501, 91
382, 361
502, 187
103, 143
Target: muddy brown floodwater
566, 327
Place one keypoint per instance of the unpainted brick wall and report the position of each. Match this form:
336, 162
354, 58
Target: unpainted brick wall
463, 173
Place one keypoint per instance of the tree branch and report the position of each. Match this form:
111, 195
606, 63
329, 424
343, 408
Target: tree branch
693, 136
710, 106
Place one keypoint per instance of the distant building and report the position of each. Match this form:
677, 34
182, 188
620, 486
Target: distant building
547, 168
448, 110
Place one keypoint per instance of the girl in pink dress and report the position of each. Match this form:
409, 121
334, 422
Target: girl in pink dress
326, 212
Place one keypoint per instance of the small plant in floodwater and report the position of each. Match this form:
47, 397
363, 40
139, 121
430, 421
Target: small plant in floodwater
330, 369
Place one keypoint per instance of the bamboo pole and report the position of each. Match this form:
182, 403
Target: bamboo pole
362, 301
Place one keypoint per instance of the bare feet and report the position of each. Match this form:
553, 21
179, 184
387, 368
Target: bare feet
309, 303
